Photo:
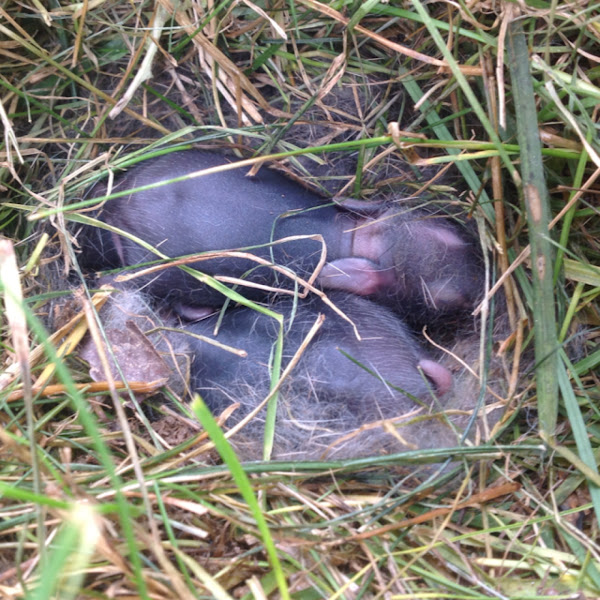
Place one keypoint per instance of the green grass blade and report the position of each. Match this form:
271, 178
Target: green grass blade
536, 200
243, 482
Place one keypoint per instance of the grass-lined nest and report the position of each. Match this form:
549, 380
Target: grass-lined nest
486, 111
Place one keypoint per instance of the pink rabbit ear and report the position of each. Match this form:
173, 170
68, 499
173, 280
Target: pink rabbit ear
441, 234
440, 376
357, 275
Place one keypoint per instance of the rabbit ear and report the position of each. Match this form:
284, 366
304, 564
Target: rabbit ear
360, 207
357, 275
439, 375
193, 313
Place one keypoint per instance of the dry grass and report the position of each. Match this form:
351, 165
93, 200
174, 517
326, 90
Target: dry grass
91, 509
